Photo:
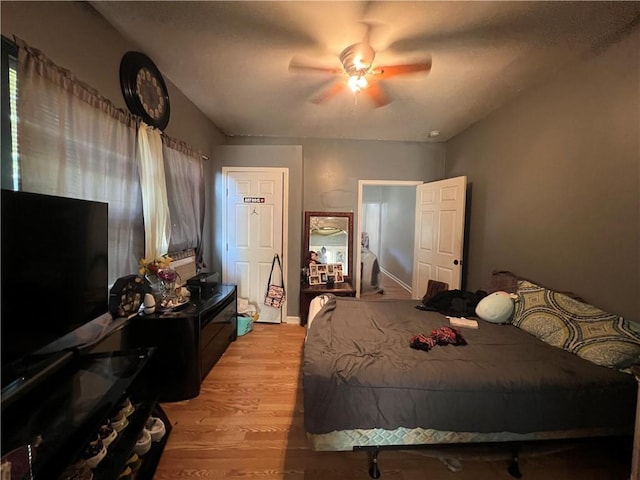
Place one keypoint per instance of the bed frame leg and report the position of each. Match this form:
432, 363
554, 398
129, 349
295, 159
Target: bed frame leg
374, 471
514, 468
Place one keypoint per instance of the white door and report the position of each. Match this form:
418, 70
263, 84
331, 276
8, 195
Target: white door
254, 233
439, 234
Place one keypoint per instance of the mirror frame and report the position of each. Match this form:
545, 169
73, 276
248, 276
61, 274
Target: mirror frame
305, 242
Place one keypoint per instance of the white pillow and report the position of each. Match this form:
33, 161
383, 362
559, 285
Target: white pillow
495, 308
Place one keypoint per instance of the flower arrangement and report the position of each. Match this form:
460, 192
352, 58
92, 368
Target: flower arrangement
151, 267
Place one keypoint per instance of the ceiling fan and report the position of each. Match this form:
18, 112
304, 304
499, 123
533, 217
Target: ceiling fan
361, 75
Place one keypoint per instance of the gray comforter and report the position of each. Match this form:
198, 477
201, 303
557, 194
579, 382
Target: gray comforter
359, 372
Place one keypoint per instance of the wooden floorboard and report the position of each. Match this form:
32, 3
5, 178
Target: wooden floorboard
247, 423
389, 290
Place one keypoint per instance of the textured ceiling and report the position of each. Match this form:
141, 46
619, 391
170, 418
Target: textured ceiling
232, 59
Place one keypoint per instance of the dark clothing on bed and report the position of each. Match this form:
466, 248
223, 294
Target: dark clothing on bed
455, 303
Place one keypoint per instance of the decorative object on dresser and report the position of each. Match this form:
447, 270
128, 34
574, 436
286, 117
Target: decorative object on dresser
329, 274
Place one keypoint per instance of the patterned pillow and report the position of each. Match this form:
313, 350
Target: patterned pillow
559, 320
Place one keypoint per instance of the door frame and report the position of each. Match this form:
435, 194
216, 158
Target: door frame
361, 185
285, 220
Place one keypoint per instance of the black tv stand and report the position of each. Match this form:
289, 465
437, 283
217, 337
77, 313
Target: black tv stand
65, 406
27, 374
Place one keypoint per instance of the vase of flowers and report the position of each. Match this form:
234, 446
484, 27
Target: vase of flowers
149, 269
168, 277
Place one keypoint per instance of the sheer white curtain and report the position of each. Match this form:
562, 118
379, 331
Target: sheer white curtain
184, 173
74, 143
157, 225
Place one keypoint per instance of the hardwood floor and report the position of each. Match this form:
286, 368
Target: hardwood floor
390, 290
247, 423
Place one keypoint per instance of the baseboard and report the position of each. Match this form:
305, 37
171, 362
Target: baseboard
293, 320
397, 280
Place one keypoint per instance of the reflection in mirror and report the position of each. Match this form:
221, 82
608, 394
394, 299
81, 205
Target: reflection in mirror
330, 236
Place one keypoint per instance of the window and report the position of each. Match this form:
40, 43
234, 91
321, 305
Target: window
72, 142
68, 140
10, 170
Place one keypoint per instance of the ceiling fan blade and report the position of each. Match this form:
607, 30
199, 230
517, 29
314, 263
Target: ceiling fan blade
377, 94
328, 94
395, 70
298, 65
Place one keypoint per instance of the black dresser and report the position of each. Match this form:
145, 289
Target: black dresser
189, 342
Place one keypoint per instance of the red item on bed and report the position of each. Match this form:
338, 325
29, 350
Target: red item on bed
439, 336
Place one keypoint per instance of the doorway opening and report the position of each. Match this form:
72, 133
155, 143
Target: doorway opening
419, 231
385, 228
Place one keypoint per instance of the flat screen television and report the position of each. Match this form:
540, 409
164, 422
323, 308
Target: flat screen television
54, 271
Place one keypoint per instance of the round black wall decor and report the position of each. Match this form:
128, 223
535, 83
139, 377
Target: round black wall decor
144, 89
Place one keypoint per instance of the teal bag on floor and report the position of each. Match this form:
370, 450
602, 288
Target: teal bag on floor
245, 324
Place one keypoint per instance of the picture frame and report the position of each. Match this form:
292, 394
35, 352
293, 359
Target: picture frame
337, 272
320, 273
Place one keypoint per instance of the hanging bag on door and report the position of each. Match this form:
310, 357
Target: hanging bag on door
275, 293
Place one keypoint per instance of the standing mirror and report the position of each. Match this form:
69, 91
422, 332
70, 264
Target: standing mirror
330, 236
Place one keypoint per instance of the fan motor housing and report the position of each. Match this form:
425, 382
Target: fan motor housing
357, 59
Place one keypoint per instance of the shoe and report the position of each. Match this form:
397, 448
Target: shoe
143, 444
107, 434
119, 421
156, 428
94, 453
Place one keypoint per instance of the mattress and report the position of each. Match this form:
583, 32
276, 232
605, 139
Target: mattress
360, 375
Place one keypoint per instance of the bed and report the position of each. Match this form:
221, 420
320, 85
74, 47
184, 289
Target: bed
365, 388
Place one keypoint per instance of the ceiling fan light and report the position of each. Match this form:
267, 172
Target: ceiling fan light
357, 83
353, 83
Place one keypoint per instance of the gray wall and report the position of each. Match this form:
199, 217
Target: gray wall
398, 231
331, 170
555, 183
333, 167
76, 37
